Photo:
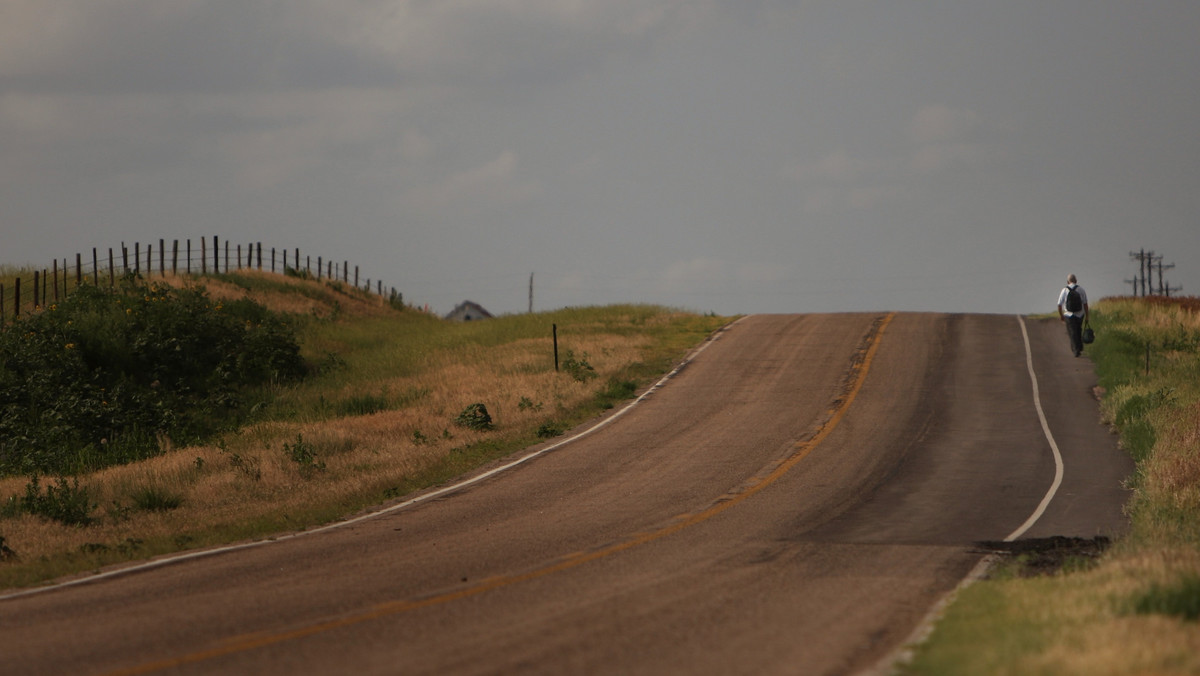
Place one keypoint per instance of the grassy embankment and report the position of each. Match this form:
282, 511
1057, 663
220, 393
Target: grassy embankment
1137, 609
377, 421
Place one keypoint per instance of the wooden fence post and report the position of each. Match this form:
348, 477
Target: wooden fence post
43, 287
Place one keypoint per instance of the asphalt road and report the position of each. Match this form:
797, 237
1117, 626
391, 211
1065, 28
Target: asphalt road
793, 501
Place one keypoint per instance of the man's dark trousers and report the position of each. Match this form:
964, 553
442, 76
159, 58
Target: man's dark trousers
1075, 331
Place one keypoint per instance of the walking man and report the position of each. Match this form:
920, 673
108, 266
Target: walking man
1073, 309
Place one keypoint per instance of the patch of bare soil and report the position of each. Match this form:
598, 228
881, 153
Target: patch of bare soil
1034, 557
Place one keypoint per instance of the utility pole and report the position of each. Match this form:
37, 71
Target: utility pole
1143, 258
1148, 263
531, 293
1137, 256
1147, 257
1162, 288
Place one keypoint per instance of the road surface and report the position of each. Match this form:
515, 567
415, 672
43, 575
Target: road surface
793, 501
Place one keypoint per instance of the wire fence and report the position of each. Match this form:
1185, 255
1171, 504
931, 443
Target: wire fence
21, 294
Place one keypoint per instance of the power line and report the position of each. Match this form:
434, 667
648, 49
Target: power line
1148, 265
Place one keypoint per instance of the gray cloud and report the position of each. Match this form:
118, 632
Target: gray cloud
729, 156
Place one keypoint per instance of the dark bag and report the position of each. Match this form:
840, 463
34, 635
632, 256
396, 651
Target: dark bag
1074, 302
1088, 334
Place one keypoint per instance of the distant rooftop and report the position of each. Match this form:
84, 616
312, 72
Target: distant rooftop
468, 311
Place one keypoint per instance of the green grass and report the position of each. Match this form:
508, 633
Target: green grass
156, 499
98, 378
1136, 611
372, 421
1180, 598
983, 632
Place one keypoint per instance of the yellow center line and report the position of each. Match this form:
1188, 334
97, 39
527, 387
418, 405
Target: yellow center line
246, 642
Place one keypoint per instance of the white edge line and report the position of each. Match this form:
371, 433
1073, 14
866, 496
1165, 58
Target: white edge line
907, 650
1058, 461
424, 497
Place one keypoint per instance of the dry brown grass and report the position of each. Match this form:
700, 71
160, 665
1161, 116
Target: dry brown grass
291, 295
247, 485
1175, 476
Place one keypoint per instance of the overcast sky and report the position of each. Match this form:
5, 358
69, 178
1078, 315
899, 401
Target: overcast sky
728, 156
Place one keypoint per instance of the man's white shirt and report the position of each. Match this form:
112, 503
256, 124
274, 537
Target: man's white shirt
1062, 300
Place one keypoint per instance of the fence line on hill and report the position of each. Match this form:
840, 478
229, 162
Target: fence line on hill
50, 285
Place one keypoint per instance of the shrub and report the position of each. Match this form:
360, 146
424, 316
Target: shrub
156, 499
617, 391
396, 300
101, 377
549, 430
66, 503
526, 404
475, 417
289, 271
578, 367
304, 454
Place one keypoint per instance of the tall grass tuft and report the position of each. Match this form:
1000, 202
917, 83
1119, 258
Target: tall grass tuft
1180, 598
156, 499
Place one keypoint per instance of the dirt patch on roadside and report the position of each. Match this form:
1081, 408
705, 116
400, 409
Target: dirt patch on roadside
1035, 557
